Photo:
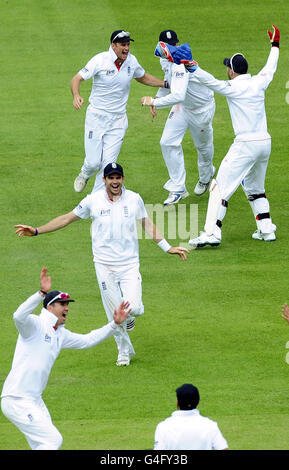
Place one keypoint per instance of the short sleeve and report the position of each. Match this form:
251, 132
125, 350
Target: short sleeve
141, 210
90, 69
83, 210
218, 440
139, 71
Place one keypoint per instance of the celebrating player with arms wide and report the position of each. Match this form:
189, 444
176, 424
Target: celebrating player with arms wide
114, 211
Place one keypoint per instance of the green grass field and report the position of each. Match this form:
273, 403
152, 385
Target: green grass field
214, 320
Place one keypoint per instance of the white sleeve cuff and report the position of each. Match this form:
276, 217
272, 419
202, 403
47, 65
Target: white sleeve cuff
164, 245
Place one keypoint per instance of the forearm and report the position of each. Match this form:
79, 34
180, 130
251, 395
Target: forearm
85, 341
150, 80
271, 64
169, 100
162, 92
58, 223
75, 83
151, 229
219, 86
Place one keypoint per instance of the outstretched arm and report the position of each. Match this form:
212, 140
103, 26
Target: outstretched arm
152, 230
150, 80
54, 224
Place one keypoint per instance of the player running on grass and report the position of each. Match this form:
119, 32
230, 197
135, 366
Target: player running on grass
114, 211
106, 120
247, 159
41, 338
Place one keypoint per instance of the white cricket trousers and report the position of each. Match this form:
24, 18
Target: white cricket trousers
118, 283
32, 418
246, 164
200, 126
103, 137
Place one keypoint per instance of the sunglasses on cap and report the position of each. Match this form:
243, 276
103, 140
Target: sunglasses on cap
60, 297
122, 34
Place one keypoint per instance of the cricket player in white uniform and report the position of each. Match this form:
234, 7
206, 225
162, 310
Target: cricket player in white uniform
106, 120
186, 429
40, 340
193, 108
247, 159
114, 211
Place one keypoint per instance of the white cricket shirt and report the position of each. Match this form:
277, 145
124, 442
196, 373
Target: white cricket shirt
39, 344
110, 86
188, 430
113, 230
246, 98
184, 88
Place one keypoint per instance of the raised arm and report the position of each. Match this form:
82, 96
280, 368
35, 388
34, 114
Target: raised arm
54, 224
267, 72
26, 323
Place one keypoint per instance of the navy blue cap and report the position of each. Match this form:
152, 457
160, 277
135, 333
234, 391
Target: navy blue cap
169, 36
112, 168
56, 296
120, 36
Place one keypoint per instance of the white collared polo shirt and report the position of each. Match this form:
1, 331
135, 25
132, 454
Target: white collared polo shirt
39, 344
188, 430
113, 231
110, 86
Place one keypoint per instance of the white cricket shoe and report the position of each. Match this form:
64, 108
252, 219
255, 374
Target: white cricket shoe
203, 240
201, 188
123, 360
80, 183
175, 197
267, 237
130, 323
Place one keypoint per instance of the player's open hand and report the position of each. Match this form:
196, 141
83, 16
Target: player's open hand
121, 313
285, 310
45, 281
179, 250
25, 230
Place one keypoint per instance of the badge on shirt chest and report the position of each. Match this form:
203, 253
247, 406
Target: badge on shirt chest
110, 73
47, 338
104, 212
128, 70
